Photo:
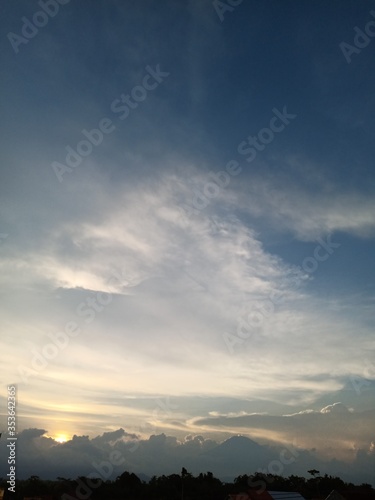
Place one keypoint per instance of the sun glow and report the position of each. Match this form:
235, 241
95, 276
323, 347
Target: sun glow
61, 438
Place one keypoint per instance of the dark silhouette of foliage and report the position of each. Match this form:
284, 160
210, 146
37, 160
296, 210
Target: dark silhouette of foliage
183, 486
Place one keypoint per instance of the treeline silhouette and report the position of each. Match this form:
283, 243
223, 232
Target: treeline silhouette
183, 486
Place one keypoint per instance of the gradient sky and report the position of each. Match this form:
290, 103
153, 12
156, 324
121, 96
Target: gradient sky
180, 306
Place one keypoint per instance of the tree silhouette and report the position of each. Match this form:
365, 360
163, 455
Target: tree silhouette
186, 486
313, 472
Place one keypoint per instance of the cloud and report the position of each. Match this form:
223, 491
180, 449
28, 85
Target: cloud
302, 198
335, 408
155, 292
333, 431
29, 434
172, 288
163, 454
113, 437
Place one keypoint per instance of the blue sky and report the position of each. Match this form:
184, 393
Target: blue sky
215, 246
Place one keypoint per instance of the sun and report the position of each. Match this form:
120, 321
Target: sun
61, 438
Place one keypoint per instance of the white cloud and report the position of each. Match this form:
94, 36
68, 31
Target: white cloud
177, 286
335, 408
307, 202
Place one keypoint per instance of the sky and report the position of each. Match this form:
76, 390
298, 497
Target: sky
187, 234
